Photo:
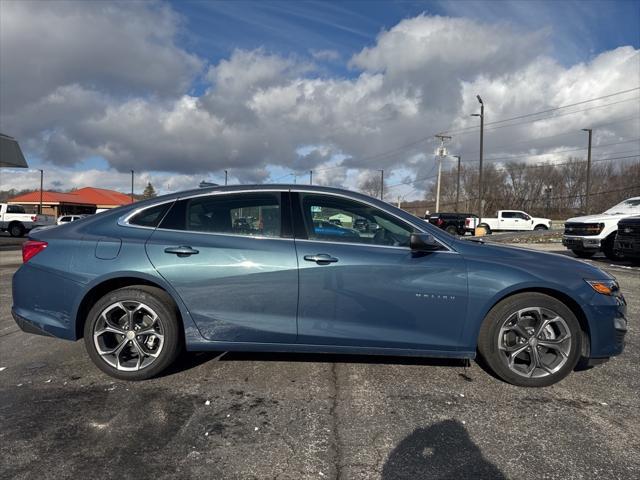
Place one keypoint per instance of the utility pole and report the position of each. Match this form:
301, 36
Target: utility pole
441, 152
41, 188
225, 178
381, 184
399, 201
310, 177
588, 170
458, 184
132, 199
480, 185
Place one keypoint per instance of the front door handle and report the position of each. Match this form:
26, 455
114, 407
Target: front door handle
182, 251
321, 258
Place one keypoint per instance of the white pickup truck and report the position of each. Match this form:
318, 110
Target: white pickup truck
17, 222
514, 220
588, 235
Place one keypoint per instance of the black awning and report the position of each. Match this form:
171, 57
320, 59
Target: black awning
10, 153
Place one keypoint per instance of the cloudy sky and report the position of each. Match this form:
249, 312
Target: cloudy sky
181, 91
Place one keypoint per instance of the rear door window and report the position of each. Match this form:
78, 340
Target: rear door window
250, 214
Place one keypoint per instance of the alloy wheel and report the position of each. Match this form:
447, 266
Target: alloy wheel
129, 335
535, 342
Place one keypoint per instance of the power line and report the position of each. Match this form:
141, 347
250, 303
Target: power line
528, 115
566, 150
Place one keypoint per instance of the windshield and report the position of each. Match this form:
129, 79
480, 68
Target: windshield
631, 205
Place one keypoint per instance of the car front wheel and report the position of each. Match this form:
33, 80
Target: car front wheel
133, 333
530, 340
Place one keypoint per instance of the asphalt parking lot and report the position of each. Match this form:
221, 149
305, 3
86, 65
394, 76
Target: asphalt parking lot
306, 416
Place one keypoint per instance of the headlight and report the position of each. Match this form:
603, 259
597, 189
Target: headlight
604, 287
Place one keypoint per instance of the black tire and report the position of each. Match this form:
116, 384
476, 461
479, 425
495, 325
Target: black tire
16, 229
451, 229
541, 227
583, 253
609, 250
162, 304
496, 359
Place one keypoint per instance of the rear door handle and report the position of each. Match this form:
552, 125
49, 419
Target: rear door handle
182, 251
321, 258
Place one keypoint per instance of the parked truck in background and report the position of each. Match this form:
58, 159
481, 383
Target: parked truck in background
453, 223
585, 236
628, 238
514, 220
15, 220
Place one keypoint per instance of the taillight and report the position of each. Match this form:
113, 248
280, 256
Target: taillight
439, 222
31, 248
34, 218
467, 222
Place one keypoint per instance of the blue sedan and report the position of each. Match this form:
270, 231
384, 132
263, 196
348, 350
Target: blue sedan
142, 282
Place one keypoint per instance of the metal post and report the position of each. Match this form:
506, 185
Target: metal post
458, 187
310, 177
41, 189
588, 191
225, 177
132, 199
480, 184
441, 152
381, 184
438, 185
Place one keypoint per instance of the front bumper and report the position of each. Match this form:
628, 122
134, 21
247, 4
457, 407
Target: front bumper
581, 243
629, 247
608, 325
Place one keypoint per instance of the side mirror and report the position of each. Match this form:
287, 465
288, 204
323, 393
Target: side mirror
423, 242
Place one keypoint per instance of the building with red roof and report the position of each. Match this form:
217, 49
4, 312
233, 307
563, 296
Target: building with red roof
82, 201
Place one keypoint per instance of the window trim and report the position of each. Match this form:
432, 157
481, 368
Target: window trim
123, 221
292, 192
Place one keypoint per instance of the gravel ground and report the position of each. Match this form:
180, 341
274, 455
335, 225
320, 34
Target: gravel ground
306, 416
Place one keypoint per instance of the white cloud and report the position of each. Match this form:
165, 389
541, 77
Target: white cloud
122, 92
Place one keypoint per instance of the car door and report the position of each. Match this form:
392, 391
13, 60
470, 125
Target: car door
238, 278
507, 221
370, 290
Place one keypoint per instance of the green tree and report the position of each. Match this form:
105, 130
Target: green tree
149, 191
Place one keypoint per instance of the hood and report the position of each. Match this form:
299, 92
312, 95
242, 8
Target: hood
600, 217
533, 261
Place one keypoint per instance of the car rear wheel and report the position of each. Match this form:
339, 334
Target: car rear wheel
451, 229
583, 253
541, 227
133, 333
530, 340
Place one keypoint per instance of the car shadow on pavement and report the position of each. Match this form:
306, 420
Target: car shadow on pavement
443, 451
189, 360
341, 358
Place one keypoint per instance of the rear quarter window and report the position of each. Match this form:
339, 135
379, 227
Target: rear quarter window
150, 217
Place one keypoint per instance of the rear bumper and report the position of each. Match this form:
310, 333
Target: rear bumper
581, 243
44, 302
28, 327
